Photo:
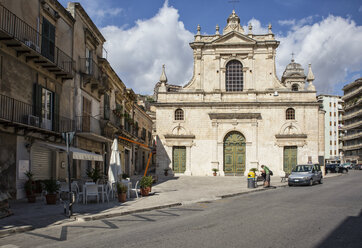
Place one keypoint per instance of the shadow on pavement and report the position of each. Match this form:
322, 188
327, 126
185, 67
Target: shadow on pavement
347, 234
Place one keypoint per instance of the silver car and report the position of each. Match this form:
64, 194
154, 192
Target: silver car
305, 174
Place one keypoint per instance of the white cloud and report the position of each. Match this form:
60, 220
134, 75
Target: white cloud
257, 28
137, 53
332, 45
286, 22
98, 10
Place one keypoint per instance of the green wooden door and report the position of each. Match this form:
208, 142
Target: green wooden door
179, 159
290, 158
234, 154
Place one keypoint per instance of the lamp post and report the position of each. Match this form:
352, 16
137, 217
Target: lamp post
68, 136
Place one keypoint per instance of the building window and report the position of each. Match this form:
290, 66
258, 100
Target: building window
290, 114
234, 76
330, 142
330, 104
330, 113
330, 133
48, 40
330, 152
334, 113
295, 87
179, 115
330, 123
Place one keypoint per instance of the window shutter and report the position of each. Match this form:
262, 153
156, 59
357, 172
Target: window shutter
106, 107
37, 104
56, 112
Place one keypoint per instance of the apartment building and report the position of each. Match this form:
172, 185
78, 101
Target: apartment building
55, 78
36, 80
333, 126
353, 121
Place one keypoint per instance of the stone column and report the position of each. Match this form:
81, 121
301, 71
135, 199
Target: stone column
215, 161
188, 161
254, 161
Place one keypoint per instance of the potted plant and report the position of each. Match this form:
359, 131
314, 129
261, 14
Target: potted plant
166, 171
145, 185
215, 170
94, 174
122, 192
125, 176
51, 187
29, 187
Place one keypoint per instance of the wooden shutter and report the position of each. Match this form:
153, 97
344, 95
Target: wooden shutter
37, 104
106, 107
56, 112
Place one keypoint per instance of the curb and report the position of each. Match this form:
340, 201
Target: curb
110, 215
14, 230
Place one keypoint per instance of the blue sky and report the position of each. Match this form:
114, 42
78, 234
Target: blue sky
144, 34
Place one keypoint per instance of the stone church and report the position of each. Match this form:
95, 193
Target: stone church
235, 114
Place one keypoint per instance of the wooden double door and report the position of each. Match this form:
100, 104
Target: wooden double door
289, 158
234, 154
179, 159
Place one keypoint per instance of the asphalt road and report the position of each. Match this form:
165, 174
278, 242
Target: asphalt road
327, 215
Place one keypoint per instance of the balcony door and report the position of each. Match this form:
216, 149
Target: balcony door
48, 40
47, 108
86, 115
88, 61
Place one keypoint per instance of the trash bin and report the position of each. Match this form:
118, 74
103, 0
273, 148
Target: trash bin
251, 179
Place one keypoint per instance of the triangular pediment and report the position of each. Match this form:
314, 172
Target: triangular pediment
233, 38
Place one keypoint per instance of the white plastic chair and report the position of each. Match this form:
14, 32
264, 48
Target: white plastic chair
91, 190
78, 193
135, 189
106, 191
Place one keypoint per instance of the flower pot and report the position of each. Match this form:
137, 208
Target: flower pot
215, 174
145, 191
51, 199
31, 198
122, 197
166, 173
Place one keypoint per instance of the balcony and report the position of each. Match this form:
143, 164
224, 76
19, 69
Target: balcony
353, 125
352, 147
18, 35
20, 115
352, 94
93, 74
91, 128
351, 136
352, 114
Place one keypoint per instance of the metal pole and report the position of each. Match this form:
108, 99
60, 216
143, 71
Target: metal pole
70, 202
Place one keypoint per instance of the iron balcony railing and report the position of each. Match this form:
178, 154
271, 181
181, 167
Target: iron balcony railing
17, 29
89, 67
88, 124
18, 112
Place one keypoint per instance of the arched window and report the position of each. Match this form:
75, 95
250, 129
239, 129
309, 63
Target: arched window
179, 114
234, 76
290, 114
295, 87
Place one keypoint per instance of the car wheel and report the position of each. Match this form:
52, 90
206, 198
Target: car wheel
320, 181
345, 171
328, 171
310, 183
290, 184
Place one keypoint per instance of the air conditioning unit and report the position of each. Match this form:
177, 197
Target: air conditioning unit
33, 46
33, 120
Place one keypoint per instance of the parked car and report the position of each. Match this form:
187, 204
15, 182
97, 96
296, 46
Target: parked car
358, 167
305, 174
347, 165
335, 168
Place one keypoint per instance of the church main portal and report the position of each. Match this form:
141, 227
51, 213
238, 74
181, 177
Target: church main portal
234, 154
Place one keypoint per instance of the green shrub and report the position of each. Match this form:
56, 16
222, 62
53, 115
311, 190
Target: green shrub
146, 181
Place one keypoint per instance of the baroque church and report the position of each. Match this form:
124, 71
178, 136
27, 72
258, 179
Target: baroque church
235, 114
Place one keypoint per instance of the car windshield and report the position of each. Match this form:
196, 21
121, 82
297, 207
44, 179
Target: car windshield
302, 168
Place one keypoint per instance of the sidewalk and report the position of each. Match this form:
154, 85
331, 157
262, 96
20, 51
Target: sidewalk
168, 192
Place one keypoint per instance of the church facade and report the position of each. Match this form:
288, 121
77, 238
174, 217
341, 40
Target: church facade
235, 114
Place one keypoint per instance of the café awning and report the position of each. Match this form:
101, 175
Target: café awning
77, 153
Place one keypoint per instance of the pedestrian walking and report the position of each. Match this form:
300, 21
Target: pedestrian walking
267, 175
